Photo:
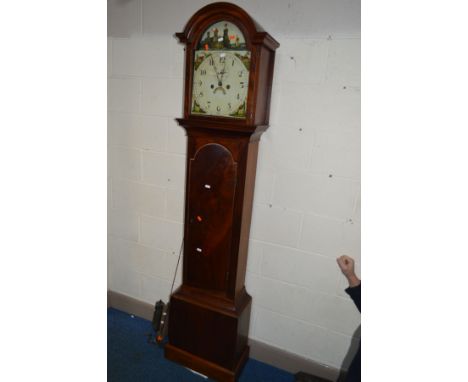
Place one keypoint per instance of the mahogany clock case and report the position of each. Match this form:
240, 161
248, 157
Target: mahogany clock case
262, 50
210, 311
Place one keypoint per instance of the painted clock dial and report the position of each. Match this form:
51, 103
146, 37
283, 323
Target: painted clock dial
221, 72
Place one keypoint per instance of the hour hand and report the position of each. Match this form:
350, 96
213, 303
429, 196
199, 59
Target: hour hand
216, 70
222, 73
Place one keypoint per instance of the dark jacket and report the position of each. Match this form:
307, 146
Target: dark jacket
354, 372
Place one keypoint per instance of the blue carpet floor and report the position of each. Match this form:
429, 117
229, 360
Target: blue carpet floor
130, 358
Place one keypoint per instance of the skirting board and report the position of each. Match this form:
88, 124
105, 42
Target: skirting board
260, 351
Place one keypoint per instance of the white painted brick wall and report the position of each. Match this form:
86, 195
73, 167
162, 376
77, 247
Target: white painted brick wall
161, 96
138, 197
124, 163
124, 94
307, 198
160, 233
171, 175
138, 131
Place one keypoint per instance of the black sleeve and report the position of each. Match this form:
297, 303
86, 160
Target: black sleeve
355, 294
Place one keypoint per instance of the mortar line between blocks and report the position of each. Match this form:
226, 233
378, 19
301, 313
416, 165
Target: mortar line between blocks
164, 251
293, 210
327, 65
140, 155
109, 180
140, 96
142, 214
111, 48
321, 292
290, 317
326, 329
140, 287
141, 17
166, 141
166, 204
318, 37
273, 187
142, 183
139, 228
319, 361
141, 273
293, 248
176, 154
301, 228
120, 76
159, 218
141, 113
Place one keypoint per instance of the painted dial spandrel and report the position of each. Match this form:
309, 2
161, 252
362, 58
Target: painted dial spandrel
221, 73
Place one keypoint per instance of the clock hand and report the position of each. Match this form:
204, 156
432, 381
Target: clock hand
216, 69
223, 72
219, 76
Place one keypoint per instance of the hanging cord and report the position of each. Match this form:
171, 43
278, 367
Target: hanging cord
165, 314
177, 267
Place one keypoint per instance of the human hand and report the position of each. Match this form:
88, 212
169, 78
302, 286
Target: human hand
346, 265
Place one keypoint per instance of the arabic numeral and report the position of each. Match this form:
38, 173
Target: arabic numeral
238, 96
203, 72
241, 73
229, 105
201, 94
242, 85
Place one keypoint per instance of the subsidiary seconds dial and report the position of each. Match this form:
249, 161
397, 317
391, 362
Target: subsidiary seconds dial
220, 83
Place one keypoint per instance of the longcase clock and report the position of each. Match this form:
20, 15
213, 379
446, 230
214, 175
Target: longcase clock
228, 79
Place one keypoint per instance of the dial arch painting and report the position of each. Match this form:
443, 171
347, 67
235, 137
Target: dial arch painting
231, 38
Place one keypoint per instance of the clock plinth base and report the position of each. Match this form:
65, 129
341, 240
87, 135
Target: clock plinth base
208, 333
205, 367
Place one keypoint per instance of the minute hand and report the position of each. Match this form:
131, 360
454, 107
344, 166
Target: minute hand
223, 72
216, 69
